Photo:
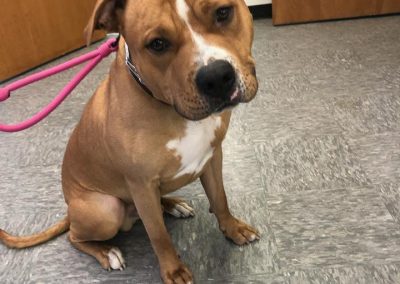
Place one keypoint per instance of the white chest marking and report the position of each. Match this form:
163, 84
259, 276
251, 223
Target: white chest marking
205, 51
194, 148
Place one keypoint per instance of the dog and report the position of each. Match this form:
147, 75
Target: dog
155, 124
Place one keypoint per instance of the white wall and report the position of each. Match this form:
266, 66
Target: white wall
257, 2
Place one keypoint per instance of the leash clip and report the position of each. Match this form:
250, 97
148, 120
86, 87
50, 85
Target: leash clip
114, 44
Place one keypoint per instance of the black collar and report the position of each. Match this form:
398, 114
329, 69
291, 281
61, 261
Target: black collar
134, 72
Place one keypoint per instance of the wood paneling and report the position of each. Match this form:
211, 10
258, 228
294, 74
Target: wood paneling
35, 31
296, 11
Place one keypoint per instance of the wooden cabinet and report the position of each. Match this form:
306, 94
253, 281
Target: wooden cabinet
33, 32
295, 11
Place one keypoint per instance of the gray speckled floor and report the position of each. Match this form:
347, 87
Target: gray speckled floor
313, 162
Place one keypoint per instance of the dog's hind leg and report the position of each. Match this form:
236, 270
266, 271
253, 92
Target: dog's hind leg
176, 207
97, 217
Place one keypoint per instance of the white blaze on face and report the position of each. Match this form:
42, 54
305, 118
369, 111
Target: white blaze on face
194, 148
205, 51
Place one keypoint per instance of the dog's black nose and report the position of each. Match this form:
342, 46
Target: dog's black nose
216, 79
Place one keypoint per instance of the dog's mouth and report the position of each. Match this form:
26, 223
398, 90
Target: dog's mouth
233, 101
211, 106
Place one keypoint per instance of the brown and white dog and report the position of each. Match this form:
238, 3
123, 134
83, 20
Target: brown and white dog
130, 148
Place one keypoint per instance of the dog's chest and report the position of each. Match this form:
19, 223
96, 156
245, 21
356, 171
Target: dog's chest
195, 148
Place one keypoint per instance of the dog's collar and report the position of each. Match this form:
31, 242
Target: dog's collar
134, 72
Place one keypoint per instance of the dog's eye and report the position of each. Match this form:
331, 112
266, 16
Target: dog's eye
223, 14
159, 45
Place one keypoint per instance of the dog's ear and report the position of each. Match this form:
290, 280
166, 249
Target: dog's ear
106, 16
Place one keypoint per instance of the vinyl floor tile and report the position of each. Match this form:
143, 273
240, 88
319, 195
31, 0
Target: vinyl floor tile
317, 229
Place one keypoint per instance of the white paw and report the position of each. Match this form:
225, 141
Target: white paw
116, 259
181, 210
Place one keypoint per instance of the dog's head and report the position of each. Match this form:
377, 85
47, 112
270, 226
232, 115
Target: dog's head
193, 54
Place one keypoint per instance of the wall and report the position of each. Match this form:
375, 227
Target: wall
257, 2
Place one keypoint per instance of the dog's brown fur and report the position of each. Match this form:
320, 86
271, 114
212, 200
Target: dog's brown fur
117, 166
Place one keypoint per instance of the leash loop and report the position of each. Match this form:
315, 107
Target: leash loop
4, 94
95, 56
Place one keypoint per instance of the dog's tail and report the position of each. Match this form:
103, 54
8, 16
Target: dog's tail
33, 240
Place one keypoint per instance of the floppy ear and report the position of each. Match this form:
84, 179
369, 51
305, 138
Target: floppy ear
106, 16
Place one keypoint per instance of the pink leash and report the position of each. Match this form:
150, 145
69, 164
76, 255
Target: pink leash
96, 56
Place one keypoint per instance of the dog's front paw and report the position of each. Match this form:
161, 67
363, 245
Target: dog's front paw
238, 231
176, 272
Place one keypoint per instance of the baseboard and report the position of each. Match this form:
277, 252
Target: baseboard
261, 11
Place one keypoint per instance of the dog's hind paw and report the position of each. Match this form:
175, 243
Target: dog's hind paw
116, 260
181, 210
177, 207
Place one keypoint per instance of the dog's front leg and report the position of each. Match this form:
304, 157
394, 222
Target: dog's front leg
212, 181
148, 205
